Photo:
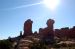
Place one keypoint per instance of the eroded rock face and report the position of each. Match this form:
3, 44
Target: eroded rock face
48, 32
49, 29
28, 27
50, 24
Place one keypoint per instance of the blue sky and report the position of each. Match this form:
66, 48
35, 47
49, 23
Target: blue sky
12, 18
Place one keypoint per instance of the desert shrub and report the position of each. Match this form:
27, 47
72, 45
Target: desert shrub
5, 44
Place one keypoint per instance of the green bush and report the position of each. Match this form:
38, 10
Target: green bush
5, 44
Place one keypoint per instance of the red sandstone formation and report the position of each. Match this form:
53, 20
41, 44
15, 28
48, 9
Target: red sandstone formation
28, 27
48, 30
